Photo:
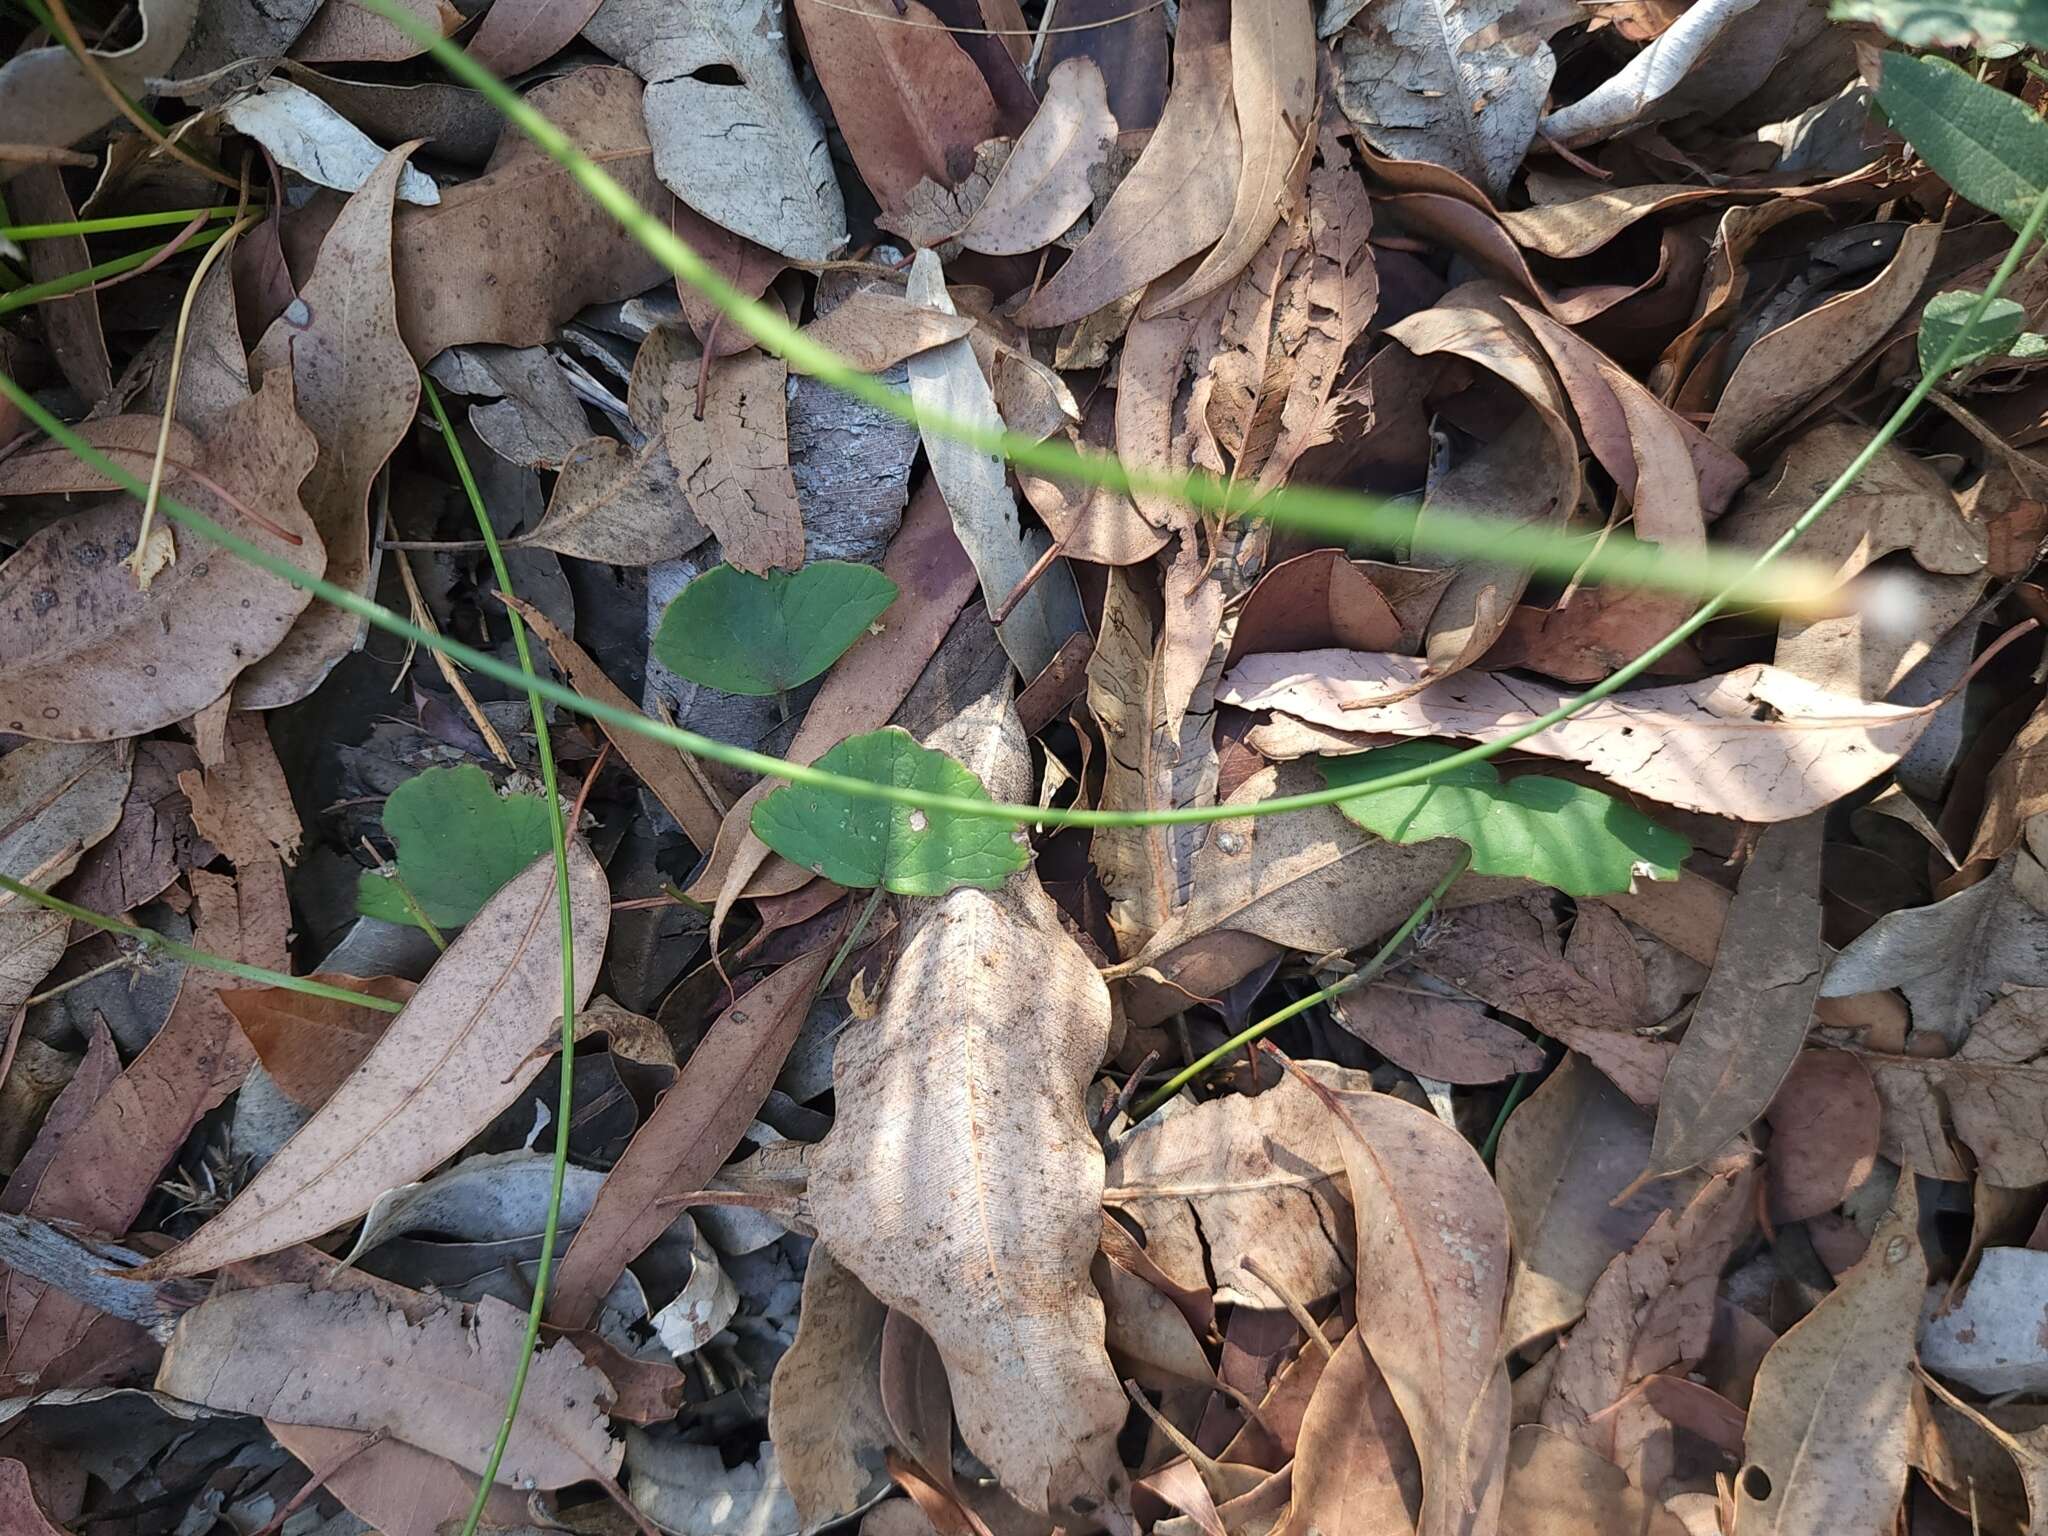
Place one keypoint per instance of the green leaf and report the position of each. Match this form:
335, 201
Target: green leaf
1556, 833
863, 843
744, 633
458, 841
1982, 25
2001, 332
1989, 146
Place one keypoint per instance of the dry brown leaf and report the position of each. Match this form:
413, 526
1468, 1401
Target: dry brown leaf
1437, 1037
1149, 1339
1565, 1157
1991, 1097
905, 94
730, 448
692, 1129
1556, 1487
85, 656
1829, 1419
1355, 1471
825, 1411
19, 1509
1432, 1275
1789, 366
1651, 1310
875, 328
1048, 180
548, 248
393, 1487
963, 1186
1214, 1184
1176, 200
1149, 370
1825, 1126
519, 34
72, 326
357, 387
665, 771
462, 1052
345, 32
42, 468
1750, 1020
1272, 87
47, 98
434, 1380
622, 503
310, 1045
2016, 793
1818, 747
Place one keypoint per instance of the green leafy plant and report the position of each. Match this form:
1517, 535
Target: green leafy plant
763, 635
458, 841
905, 849
1549, 830
1989, 146
2000, 332
1983, 25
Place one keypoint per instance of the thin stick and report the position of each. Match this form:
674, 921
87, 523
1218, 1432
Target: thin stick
118, 963
425, 618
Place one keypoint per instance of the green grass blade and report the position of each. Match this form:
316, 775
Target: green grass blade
565, 1105
85, 277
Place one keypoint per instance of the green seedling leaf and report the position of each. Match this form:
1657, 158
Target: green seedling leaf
743, 633
2001, 332
1989, 146
864, 843
1983, 25
1556, 833
458, 841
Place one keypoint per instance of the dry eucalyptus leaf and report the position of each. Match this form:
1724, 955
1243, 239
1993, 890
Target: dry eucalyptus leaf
730, 447
477, 1024
48, 98
306, 135
1047, 182
435, 1380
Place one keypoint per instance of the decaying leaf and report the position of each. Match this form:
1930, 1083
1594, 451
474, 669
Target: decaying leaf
356, 385
1046, 183
85, 656
1830, 1416
310, 1045
730, 449
48, 98
1176, 200
733, 135
965, 1191
1818, 746
434, 1380
478, 1019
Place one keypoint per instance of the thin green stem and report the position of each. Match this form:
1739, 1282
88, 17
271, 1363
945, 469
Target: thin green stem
149, 939
1517, 1091
1301, 1005
1339, 514
860, 926
558, 833
85, 277
113, 225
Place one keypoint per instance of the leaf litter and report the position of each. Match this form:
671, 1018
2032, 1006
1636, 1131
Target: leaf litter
1681, 1167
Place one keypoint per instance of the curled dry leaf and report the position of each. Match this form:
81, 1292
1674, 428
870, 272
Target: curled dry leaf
549, 249
906, 95
947, 380
1830, 1418
1240, 1177
304, 134
1432, 1275
1818, 747
477, 1023
357, 387
730, 449
47, 97
1272, 86
733, 136
434, 1379
1176, 200
1446, 81
1048, 181
85, 656
962, 1184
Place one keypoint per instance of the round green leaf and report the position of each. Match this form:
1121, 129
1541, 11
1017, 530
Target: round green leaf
458, 841
863, 843
1989, 146
1556, 833
743, 633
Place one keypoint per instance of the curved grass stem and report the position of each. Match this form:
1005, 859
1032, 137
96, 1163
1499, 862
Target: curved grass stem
558, 835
